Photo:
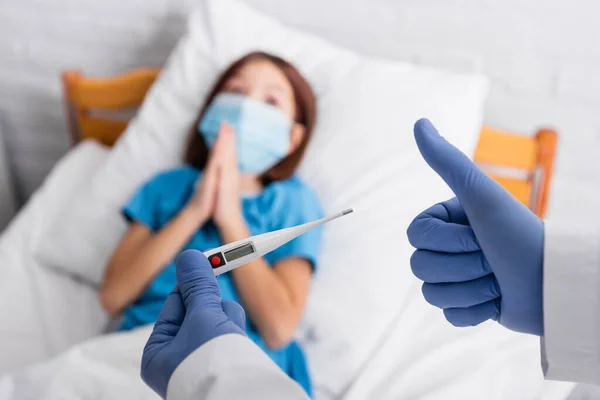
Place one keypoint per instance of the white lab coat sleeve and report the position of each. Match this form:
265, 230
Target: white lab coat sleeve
231, 367
570, 346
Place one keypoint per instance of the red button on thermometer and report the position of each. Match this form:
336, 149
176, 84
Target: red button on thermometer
233, 255
216, 260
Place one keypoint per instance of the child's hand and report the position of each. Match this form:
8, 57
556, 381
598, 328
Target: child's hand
205, 197
228, 207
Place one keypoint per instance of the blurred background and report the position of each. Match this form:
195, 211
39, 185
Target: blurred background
542, 57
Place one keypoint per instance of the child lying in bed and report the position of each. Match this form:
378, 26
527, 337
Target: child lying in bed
238, 181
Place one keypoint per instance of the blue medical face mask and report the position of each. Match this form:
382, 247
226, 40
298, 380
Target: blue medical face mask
262, 131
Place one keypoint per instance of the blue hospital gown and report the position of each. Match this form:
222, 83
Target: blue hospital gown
280, 205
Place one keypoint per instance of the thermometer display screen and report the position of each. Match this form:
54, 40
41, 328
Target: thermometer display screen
239, 252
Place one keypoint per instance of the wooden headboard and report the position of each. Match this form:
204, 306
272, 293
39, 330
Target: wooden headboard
100, 109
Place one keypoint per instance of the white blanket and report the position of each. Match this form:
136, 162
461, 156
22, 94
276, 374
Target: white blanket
43, 311
107, 367
103, 368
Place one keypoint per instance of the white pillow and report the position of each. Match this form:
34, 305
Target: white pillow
363, 155
61, 184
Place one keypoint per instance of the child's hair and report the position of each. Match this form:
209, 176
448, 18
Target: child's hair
306, 112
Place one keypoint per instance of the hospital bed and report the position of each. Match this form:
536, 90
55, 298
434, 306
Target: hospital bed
415, 354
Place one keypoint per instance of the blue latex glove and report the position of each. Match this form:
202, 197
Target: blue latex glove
192, 315
481, 253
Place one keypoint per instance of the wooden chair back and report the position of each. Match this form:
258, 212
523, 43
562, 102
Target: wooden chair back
524, 165
101, 108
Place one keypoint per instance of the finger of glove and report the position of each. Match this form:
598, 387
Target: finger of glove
449, 211
477, 192
475, 315
235, 313
171, 315
428, 232
451, 164
165, 329
436, 267
196, 281
461, 294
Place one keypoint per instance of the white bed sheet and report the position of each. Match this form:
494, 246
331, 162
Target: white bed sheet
423, 357
102, 368
44, 311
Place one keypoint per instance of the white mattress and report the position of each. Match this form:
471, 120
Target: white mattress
43, 311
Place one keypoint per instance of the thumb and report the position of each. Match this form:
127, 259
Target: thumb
452, 165
197, 281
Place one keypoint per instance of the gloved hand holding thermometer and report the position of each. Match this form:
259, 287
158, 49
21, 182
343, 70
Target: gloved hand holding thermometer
192, 315
481, 253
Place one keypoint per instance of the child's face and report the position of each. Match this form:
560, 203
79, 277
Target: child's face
261, 80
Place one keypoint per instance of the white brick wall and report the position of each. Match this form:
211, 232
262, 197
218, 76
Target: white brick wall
542, 56
39, 38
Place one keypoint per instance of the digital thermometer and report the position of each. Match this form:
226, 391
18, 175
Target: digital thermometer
236, 254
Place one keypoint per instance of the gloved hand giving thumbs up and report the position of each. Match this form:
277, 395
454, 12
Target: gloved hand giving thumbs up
481, 253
